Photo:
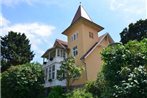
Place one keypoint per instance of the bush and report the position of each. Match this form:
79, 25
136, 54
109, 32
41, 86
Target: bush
124, 70
23, 81
79, 93
56, 92
135, 83
96, 87
91, 87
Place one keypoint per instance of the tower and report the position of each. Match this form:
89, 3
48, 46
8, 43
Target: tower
82, 34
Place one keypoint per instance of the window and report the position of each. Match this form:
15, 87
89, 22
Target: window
58, 52
75, 51
53, 72
61, 53
46, 72
74, 37
90, 34
50, 73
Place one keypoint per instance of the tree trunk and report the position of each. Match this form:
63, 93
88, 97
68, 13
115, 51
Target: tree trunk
67, 84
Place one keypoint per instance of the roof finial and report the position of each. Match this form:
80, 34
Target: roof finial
80, 3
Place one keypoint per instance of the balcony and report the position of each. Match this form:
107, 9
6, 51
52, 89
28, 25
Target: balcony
55, 55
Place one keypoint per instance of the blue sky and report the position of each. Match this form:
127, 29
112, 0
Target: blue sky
44, 20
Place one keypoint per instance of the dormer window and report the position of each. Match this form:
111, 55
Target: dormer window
90, 34
74, 36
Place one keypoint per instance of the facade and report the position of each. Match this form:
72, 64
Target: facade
84, 43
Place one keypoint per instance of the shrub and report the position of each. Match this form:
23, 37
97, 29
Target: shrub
79, 93
91, 87
23, 81
124, 70
96, 87
56, 92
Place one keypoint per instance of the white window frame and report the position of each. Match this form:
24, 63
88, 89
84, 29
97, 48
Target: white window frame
61, 53
50, 73
75, 51
74, 36
53, 72
46, 73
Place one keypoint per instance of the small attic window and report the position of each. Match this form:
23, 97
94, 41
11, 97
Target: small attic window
91, 35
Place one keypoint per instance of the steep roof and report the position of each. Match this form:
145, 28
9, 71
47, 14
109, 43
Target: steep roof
62, 44
100, 39
82, 16
81, 13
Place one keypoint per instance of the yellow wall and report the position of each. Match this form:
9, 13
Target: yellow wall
84, 43
87, 41
94, 62
77, 28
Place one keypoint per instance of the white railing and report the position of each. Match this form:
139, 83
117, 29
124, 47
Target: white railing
55, 83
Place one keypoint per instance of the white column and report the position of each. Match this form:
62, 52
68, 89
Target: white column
49, 56
47, 73
55, 72
56, 52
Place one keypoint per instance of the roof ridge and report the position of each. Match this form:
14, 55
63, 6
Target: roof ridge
81, 12
61, 40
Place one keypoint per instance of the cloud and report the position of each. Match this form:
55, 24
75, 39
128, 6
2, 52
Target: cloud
131, 10
136, 7
146, 8
13, 3
3, 21
37, 33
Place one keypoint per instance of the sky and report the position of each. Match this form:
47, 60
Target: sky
43, 21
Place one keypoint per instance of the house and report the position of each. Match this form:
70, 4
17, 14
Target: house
84, 43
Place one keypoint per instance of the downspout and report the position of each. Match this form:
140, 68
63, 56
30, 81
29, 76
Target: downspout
85, 69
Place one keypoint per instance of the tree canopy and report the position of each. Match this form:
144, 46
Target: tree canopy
125, 69
22, 81
69, 71
15, 50
135, 31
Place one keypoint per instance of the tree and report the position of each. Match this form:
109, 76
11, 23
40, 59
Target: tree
135, 86
79, 93
15, 50
69, 71
23, 81
136, 31
125, 69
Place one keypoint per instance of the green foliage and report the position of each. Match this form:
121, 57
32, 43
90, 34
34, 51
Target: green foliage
96, 88
135, 86
56, 92
15, 50
136, 31
124, 70
23, 81
69, 71
114, 58
79, 93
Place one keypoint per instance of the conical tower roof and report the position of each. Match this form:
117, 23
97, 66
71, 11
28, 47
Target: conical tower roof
81, 13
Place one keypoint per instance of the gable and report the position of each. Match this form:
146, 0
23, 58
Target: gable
103, 41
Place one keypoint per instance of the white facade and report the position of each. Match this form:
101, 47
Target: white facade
53, 64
